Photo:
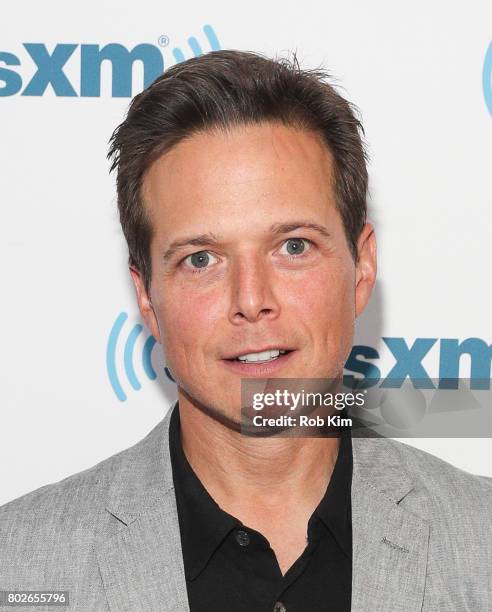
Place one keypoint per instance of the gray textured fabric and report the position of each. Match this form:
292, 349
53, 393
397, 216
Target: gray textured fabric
110, 535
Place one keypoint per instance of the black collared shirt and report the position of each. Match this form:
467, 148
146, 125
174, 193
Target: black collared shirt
230, 567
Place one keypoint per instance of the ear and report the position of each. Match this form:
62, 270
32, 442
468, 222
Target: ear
144, 304
366, 268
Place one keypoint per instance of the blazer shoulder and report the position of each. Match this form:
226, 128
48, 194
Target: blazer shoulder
54, 530
70, 500
448, 487
76, 501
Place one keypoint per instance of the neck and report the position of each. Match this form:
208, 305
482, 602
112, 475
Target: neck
247, 475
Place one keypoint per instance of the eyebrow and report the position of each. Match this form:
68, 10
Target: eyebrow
201, 240
209, 239
285, 228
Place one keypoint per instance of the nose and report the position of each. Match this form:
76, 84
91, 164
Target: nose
252, 292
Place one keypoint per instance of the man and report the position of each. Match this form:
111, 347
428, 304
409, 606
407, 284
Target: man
242, 189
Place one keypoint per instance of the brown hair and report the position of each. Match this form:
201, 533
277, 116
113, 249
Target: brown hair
222, 89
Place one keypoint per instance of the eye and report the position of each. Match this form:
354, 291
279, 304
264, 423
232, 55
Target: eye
295, 246
198, 260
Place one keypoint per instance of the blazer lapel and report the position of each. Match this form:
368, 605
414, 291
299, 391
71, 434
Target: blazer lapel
139, 548
389, 543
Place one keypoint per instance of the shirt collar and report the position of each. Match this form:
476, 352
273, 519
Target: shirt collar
335, 509
203, 524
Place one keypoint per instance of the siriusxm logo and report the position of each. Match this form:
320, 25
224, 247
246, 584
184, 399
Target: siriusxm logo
50, 66
408, 364
361, 366
128, 356
487, 78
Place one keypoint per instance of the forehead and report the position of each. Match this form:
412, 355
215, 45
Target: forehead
266, 169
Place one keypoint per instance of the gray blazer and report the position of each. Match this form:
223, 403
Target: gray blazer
422, 533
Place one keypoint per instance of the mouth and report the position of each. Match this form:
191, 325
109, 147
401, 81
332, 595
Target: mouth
259, 363
259, 356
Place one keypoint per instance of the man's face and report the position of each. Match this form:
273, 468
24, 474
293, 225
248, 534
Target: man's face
249, 258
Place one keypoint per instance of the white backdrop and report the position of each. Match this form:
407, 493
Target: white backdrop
418, 71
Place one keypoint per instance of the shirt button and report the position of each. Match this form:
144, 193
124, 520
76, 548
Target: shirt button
279, 607
242, 538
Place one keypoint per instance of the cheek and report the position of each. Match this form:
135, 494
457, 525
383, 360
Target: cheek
327, 309
188, 320
325, 297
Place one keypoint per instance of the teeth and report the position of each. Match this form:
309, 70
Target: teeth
263, 356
